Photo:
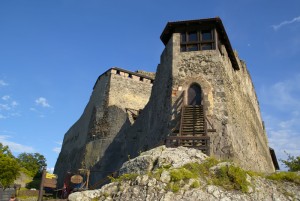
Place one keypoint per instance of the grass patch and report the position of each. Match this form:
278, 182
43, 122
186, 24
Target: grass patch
182, 174
285, 176
159, 171
124, 177
203, 168
173, 186
195, 184
231, 177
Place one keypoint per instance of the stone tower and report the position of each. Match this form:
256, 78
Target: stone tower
199, 77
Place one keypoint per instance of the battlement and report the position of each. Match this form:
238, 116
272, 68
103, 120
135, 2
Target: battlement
128, 74
203, 97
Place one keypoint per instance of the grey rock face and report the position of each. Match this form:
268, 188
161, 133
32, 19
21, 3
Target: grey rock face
145, 187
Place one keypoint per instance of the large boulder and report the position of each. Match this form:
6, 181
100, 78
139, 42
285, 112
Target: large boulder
150, 176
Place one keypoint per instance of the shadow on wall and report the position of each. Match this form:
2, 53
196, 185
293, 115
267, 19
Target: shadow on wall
115, 155
148, 131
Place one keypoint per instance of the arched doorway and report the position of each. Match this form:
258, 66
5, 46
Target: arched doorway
194, 95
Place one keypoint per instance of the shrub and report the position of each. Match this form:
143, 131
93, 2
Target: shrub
231, 177
293, 163
173, 186
195, 184
285, 176
181, 174
203, 168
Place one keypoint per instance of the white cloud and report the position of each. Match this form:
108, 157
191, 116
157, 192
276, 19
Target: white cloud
2, 83
32, 109
50, 170
281, 105
278, 26
284, 95
14, 103
4, 107
2, 116
56, 149
15, 147
6, 97
42, 102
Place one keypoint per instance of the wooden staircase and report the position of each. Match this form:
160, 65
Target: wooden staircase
193, 121
193, 130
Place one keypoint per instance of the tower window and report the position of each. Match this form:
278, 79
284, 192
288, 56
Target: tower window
197, 40
206, 35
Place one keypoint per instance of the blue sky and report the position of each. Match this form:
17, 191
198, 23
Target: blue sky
52, 51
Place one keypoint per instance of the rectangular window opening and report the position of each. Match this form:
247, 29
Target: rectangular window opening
197, 40
192, 37
206, 35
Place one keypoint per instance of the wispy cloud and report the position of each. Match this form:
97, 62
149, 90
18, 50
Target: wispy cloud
278, 26
2, 116
57, 149
42, 102
40, 114
50, 170
8, 107
284, 95
14, 103
5, 98
281, 105
3, 83
15, 147
4, 107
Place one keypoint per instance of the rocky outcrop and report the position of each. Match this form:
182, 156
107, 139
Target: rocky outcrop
169, 174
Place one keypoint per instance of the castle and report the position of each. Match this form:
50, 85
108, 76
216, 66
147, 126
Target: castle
201, 96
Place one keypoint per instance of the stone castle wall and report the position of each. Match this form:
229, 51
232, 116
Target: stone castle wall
123, 119
117, 96
230, 103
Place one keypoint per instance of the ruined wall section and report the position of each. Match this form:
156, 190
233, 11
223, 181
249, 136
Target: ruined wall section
72, 153
153, 124
127, 95
230, 103
117, 95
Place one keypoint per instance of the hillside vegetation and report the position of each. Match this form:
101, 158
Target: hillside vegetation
188, 174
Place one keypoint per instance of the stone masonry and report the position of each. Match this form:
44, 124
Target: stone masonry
127, 115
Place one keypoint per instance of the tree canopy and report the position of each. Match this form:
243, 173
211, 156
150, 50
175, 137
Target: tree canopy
32, 162
9, 166
292, 162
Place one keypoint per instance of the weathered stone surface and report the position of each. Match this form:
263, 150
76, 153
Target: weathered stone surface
109, 130
161, 157
149, 188
109, 113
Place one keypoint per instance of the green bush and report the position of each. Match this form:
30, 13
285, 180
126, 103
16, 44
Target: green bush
285, 176
293, 163
203, 168
195, 184
173, 186
181, 174
231, 177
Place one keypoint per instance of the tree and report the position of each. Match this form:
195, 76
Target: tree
292, 162
33, 163
9, 166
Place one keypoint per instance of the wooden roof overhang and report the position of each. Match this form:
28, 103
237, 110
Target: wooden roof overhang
180, 26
